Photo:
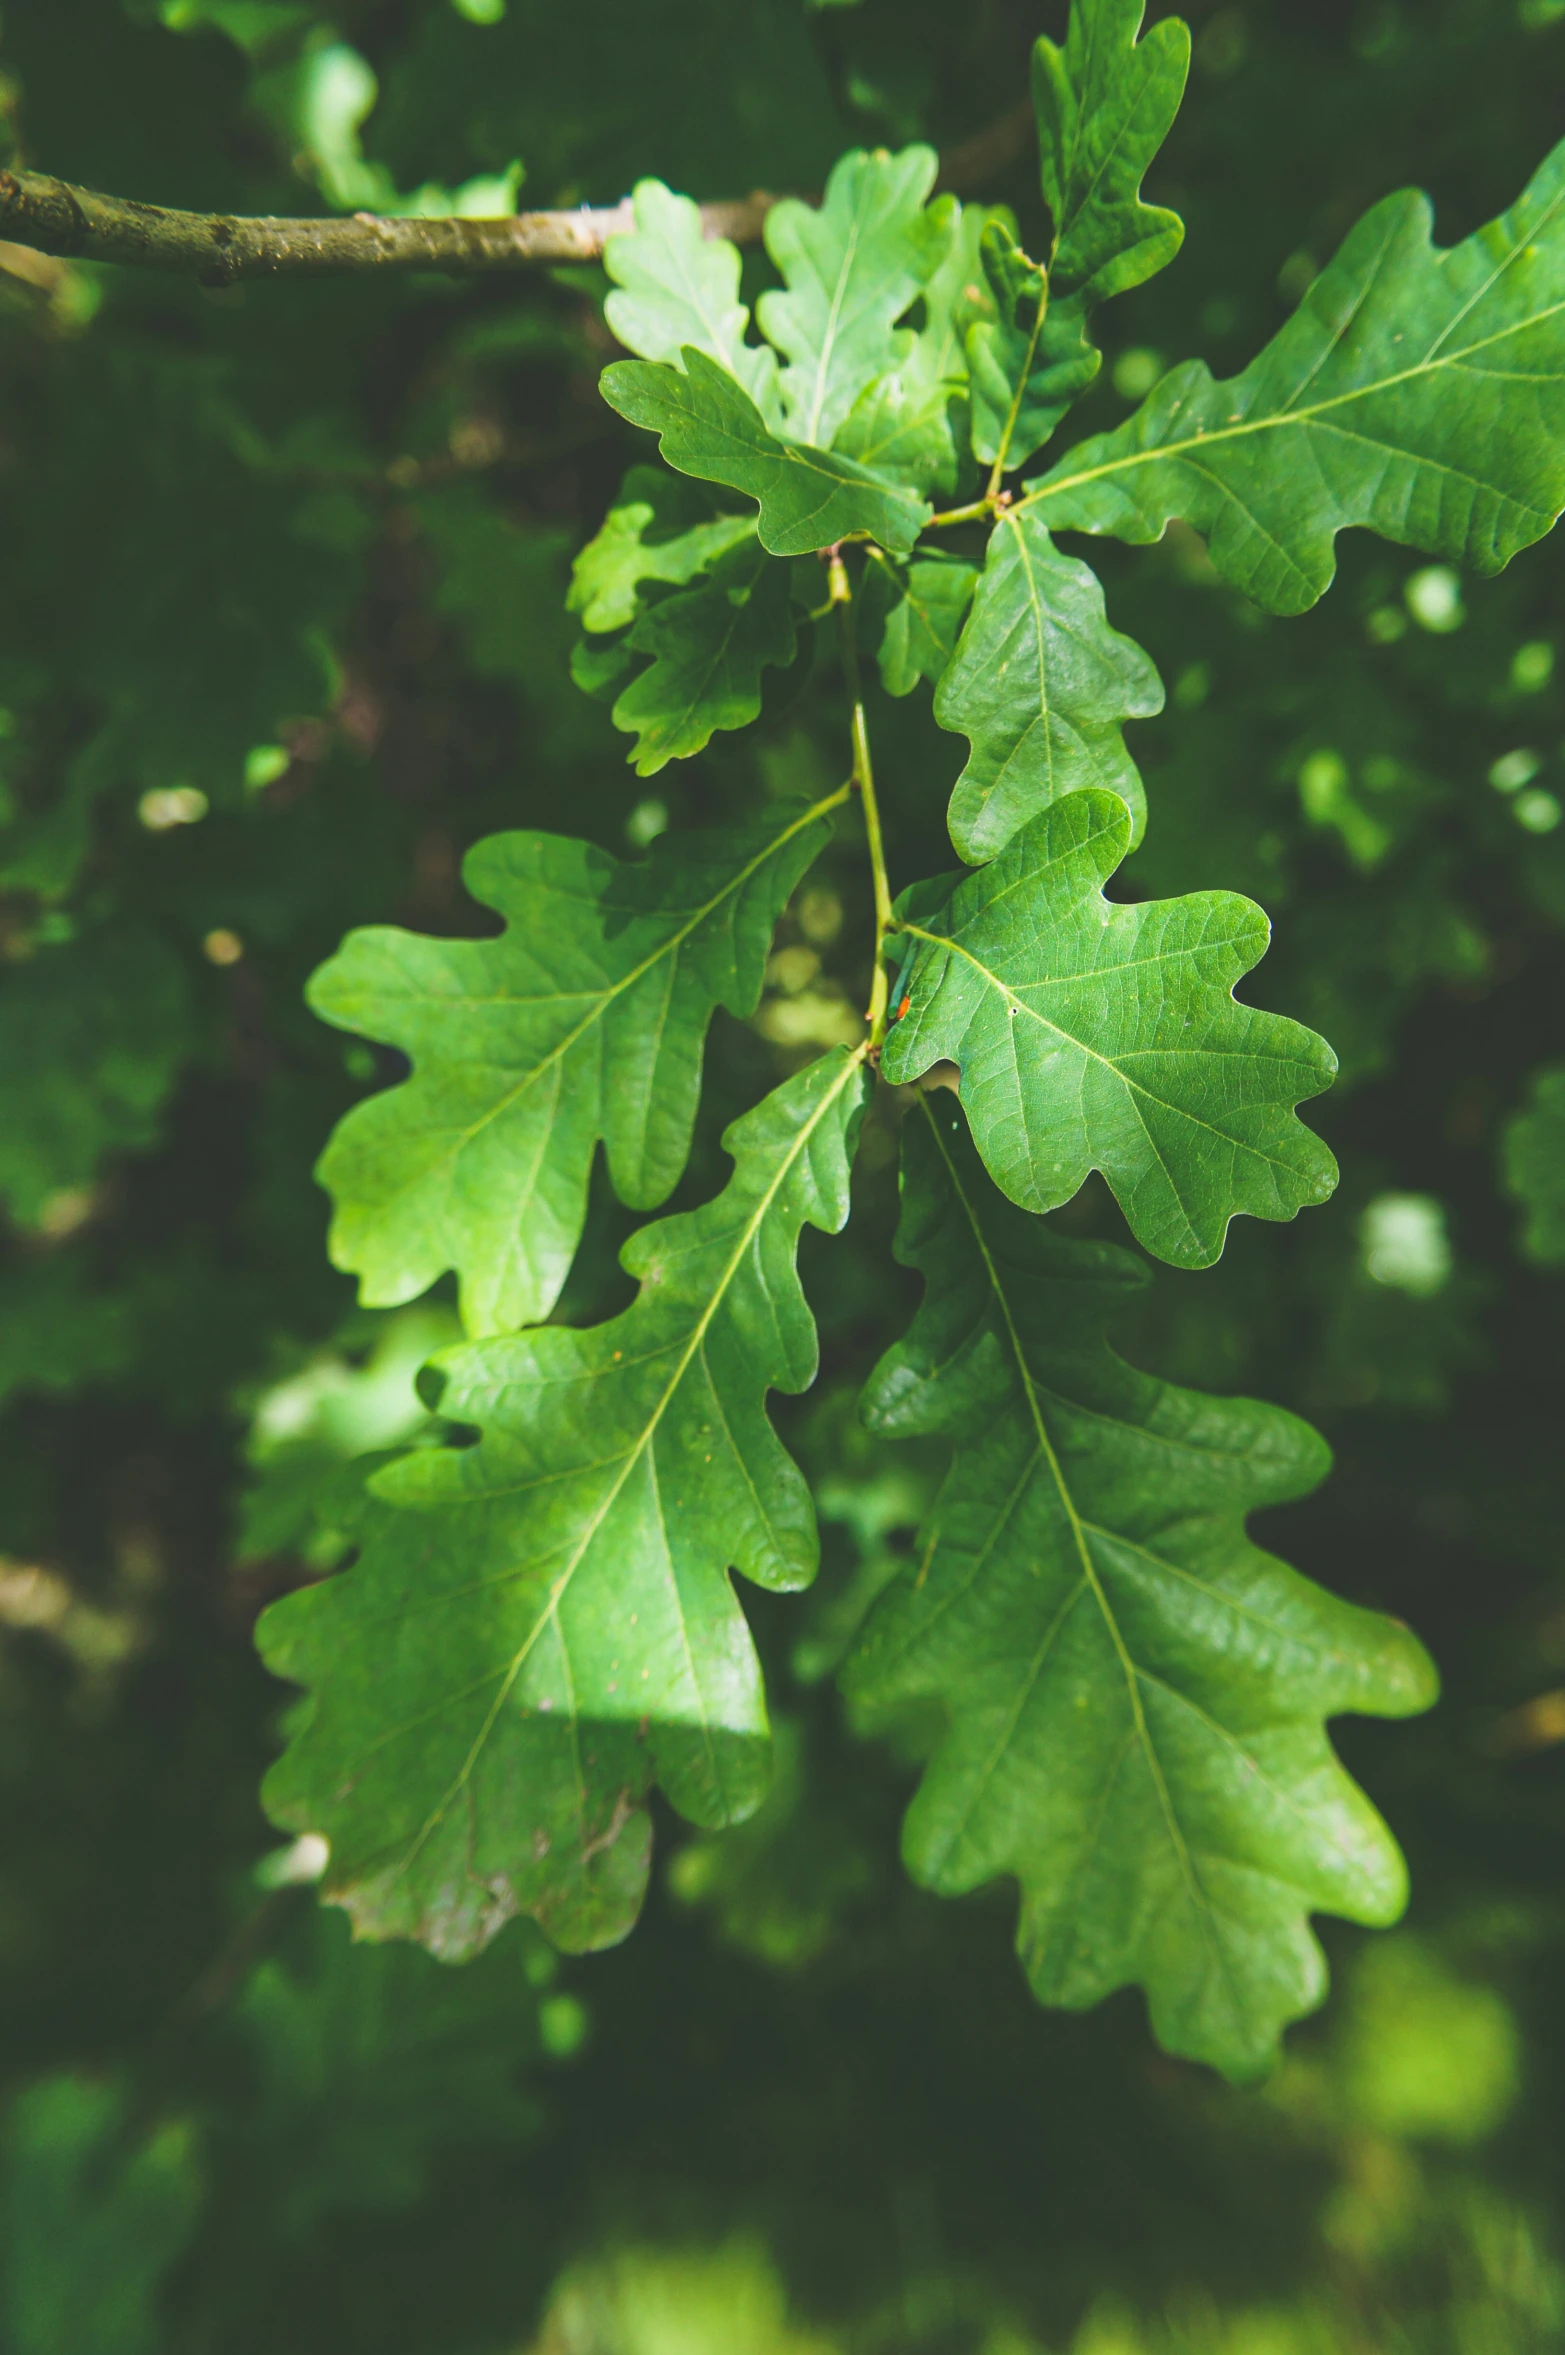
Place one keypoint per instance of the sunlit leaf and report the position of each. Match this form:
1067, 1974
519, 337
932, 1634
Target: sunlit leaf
541, 1626
708, 426
1094, 1036
1415, 391
850, 268
585, 1019
675, 286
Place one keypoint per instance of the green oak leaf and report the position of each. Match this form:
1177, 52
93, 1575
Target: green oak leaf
606, 577
921, 627
708, 648
545, 1625
1030, 361
1042, 686
851, 268
1533, 1153
911, 422
1091, 1036
674, 286
958, 294
901, 427
1417, 392
708, 426
584, 1019
1134, 1693
1105, 104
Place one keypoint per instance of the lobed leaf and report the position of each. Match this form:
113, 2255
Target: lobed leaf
911, 423
708, 426
1533, 1153
1105, 104
1415, 392
675, 286
585, 1019
920, 631
606, 577
1030, 361
545, 1625
708, 648
851, 267
1135, 1694
958, 294
901, 428
1091, 1036
1042, 686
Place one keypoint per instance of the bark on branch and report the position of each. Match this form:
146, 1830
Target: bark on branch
77, 224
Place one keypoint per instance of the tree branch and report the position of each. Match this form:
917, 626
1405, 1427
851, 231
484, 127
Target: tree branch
79, 225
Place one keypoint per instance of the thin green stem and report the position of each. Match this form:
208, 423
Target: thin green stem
997, 471
976, 513
864, 779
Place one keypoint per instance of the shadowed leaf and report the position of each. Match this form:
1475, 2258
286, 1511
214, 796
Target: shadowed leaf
542, 1626
1135, 1693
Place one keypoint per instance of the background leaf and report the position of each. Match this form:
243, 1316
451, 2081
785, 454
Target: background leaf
92, 1035
90, 2222
1136, 1694
1534, 1159
586, 1018
547, 1625
1091, 1036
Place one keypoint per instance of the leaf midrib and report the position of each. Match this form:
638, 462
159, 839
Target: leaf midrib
604, 999
1126, 1079
1089, 1570
1279, 419
549, 1614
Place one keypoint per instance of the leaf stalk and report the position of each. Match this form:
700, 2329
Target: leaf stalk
864, 779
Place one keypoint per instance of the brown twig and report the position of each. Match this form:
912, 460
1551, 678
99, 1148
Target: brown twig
80, 225
77, 224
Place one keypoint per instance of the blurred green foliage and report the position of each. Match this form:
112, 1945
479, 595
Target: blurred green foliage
284, 633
